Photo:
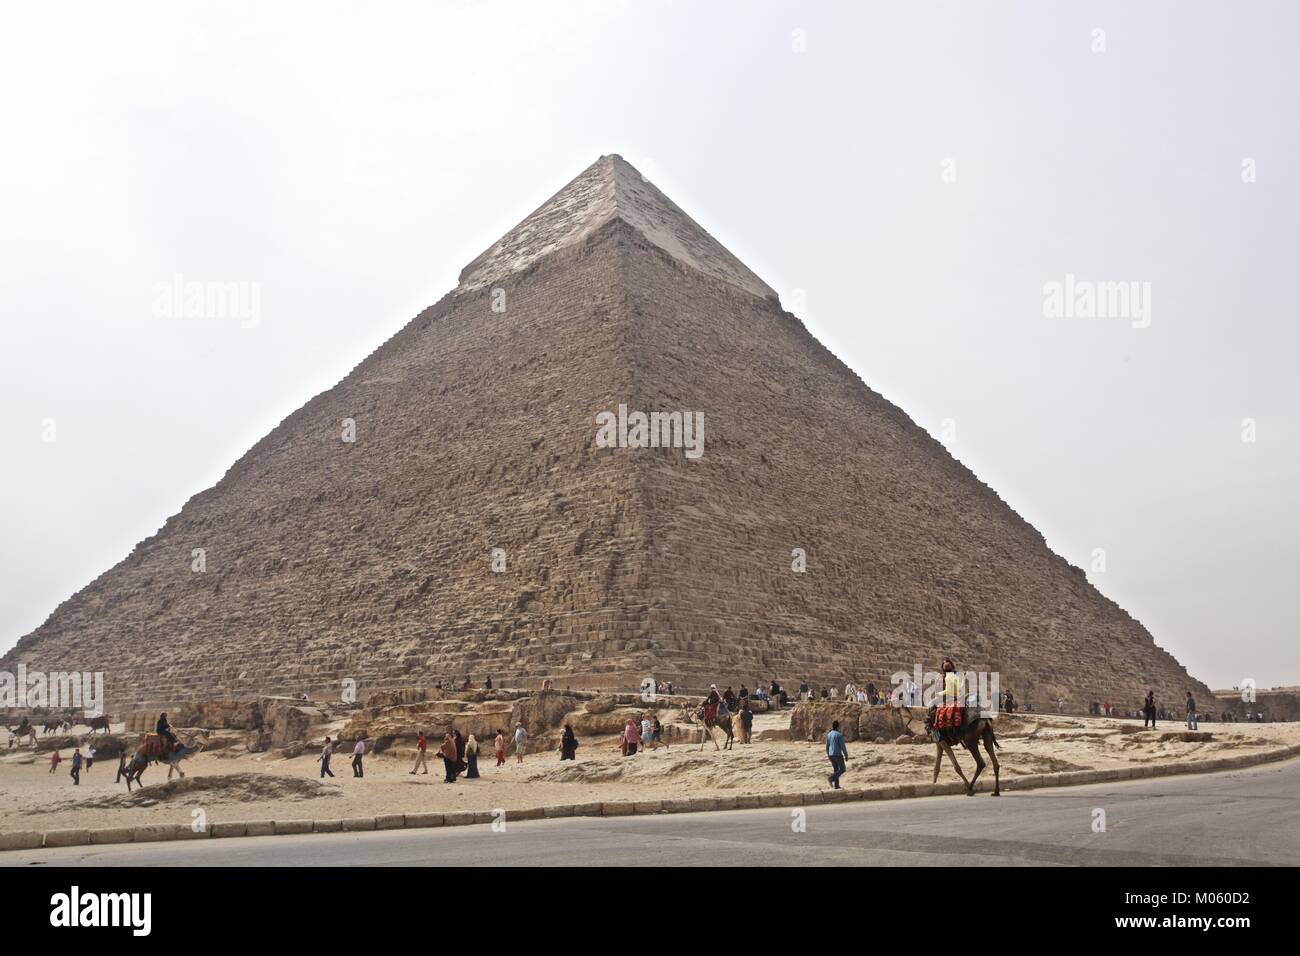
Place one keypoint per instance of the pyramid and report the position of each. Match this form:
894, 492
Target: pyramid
475, 524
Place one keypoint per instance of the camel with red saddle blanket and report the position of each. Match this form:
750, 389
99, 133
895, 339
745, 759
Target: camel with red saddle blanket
154, 748
950, 724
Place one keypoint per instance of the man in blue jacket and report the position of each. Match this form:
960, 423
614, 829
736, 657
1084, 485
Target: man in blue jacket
837, 753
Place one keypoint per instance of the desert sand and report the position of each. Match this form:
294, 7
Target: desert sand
234, 785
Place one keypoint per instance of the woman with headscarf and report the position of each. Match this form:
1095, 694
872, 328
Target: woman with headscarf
471, 758
631, 737
568, 744
449, 758
460, 751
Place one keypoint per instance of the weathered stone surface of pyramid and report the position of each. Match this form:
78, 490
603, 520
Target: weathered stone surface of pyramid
373, 560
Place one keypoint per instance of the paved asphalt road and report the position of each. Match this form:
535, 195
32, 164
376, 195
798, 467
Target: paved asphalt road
1223, 819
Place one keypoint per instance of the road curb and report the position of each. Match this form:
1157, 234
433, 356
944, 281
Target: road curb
154, 833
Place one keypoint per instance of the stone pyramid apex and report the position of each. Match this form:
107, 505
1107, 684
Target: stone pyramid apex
610, 188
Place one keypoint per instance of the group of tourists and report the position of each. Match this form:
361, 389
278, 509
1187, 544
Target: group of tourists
358, 754
459, 753
1150, 712
78, 763
648, 735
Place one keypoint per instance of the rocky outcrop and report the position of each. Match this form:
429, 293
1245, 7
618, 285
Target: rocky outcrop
286, 720
217, 715
542, 712
810, 720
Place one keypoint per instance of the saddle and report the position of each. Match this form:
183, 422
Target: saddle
949, 717
155, 746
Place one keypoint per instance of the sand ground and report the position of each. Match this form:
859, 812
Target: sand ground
232, 785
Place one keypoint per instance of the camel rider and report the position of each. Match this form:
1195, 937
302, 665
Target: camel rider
164, 730
711, 704
951, 688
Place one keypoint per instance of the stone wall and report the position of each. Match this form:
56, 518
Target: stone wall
1280, 704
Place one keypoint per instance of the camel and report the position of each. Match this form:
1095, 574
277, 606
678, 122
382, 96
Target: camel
98, 723
26, 729
707, 725
970, 736
140, 762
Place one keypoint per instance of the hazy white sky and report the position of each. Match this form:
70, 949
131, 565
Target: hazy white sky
349, 159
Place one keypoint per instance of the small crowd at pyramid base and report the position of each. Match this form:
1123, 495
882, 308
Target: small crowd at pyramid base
532, 748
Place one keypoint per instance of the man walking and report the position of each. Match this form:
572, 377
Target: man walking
521, 741
326, 752
1149, 710
76, 767
1191, 711
420, 747
837, 753
746, 723
358, 770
